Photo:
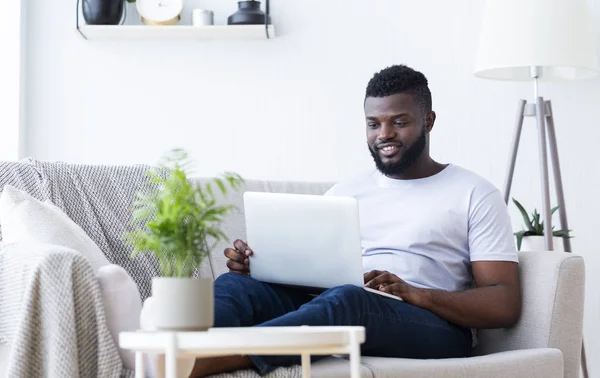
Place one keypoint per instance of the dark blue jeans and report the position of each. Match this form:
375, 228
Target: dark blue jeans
393, 328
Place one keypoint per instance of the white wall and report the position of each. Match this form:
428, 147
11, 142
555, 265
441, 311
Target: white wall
291, 108
10, 80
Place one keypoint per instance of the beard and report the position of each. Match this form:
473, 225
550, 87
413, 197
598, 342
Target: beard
409, 156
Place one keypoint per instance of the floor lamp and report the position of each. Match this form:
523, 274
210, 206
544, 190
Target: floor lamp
531, 40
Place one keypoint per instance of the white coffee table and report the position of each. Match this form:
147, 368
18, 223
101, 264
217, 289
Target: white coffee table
304, 341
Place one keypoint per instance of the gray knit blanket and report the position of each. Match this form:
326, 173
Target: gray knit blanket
53, 315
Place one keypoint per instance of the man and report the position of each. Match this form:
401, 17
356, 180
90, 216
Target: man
429, 231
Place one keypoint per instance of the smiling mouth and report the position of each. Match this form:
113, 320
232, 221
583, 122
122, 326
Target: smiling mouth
389, 151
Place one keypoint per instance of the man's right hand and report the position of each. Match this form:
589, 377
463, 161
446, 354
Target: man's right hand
238, 257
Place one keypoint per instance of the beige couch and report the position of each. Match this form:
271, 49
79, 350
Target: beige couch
545, 343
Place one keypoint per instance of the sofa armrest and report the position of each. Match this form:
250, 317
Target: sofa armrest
527, 363
552, 315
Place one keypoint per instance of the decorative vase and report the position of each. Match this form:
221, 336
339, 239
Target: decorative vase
103, 12
536, 243
248, 13
183, 304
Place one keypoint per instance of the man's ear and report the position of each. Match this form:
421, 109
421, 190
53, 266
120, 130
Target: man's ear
429, 121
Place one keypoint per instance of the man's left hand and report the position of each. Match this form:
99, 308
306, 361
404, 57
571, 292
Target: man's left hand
390, 283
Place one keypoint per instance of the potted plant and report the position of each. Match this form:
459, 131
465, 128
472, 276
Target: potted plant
532, 238
178, 222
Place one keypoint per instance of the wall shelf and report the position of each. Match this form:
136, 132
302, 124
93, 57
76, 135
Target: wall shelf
176, 32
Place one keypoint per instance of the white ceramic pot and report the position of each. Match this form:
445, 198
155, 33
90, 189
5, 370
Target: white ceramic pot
183, 304
536, 243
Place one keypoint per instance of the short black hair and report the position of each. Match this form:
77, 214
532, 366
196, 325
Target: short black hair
401, 79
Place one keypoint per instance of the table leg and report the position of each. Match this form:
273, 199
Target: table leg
306, 365
354, 356
171, 357
139, 365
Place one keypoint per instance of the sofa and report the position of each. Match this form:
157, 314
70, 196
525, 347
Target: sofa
546, 341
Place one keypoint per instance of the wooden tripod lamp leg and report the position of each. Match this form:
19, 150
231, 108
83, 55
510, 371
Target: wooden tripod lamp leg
560, 195
515, 148
541, 124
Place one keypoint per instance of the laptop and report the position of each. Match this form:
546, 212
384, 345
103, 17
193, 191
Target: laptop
309, 242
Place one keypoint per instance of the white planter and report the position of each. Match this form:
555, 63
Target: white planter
183, 304
536, 243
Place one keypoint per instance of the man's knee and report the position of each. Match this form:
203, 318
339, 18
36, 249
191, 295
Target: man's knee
345, 293
235, 280
346, 304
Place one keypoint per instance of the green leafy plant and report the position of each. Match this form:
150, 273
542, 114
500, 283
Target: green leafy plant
535, 226
179, 219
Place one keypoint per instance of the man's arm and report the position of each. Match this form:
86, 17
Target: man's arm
494, 303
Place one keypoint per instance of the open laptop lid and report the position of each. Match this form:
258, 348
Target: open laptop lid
303, 240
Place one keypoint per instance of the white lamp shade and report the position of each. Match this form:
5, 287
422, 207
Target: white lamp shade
556, 35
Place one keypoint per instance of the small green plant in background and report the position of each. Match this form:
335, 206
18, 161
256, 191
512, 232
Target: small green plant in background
534, 226
180, 220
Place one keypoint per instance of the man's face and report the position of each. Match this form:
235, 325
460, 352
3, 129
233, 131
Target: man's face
396, 132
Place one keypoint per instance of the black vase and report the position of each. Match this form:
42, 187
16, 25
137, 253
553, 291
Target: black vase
249, 13
103, 12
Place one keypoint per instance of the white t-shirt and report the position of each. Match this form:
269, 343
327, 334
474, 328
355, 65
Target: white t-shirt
428, 231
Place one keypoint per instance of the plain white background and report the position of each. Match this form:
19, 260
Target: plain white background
10, 80
291, 108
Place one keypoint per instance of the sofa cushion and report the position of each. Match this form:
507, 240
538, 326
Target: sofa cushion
335, 367
24, 218
529, 363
